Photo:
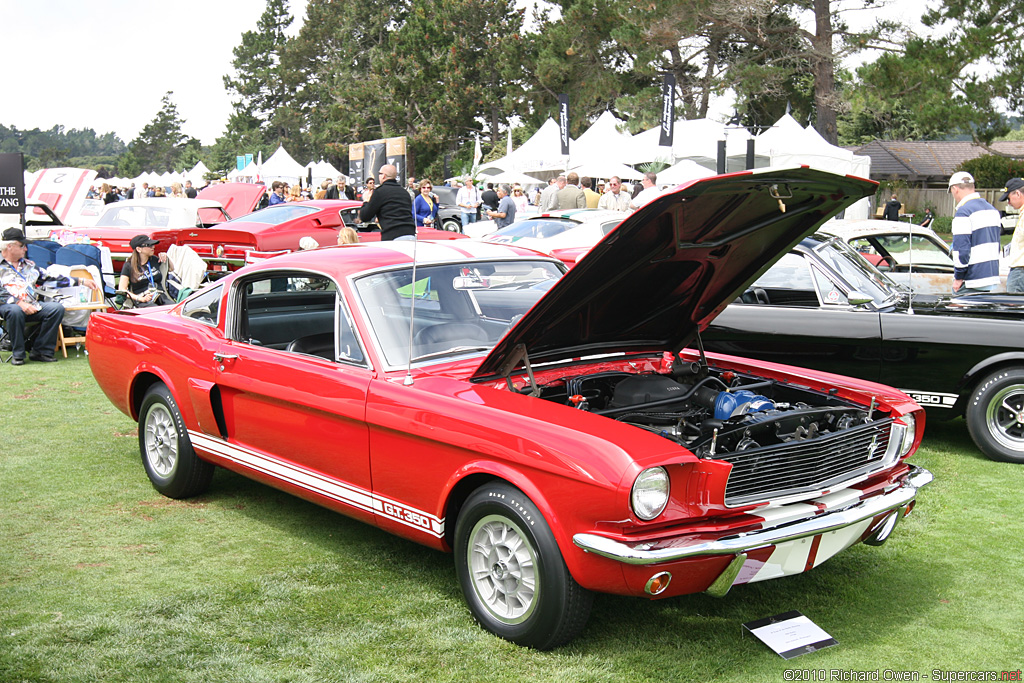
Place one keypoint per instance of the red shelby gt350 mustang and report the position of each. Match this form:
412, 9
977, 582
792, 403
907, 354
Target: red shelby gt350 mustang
553, 431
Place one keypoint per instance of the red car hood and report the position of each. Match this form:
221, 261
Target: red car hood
238, 199
671, 267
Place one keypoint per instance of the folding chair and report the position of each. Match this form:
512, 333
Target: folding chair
83, 255
96, 303
43, 253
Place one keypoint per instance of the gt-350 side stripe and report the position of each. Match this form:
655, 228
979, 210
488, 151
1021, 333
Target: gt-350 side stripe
317, 483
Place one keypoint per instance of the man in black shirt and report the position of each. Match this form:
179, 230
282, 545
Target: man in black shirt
490, 198
391, 206
892, 209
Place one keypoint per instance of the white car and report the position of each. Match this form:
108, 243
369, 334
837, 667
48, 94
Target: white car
555, 230
909, 254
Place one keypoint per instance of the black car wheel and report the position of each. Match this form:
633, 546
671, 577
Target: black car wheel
167, 453
512, 573
995, 415
451, 225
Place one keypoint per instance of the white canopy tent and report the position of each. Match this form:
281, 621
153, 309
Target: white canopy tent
602, 142
683, 172
598, 168
281, 166
789, 144
249, 174
697, 140
541, 155
321, 171
510, 177
197, 174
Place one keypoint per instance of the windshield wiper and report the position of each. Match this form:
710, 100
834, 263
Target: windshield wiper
454, 349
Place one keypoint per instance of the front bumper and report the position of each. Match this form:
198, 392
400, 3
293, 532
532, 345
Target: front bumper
642, 554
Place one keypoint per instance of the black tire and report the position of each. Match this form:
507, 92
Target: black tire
451, 225
512, 573
995, 415
166, 450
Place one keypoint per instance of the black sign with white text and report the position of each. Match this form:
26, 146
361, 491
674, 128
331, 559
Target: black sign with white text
563, 122
668, 110
12, 183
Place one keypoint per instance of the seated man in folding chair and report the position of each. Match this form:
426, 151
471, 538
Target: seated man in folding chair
19, 303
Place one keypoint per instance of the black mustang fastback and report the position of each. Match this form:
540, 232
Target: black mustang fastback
822, 306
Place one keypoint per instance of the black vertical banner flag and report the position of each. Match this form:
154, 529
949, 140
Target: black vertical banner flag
563, 122
668, 110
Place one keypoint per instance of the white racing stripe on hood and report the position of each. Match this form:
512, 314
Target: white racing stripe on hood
454, 250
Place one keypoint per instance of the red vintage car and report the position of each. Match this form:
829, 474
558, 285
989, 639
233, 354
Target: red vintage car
556, 432
278, 230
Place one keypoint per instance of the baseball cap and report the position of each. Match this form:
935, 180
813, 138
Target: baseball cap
14, 235
961, 177
143, 241
1011, 185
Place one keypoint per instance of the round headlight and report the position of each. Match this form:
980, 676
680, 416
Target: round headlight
650, 493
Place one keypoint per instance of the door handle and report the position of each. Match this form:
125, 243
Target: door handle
219, 358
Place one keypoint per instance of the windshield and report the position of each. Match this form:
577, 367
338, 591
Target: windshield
142, 217
538, 228
904, 249
452, 309
860, 274
276, 215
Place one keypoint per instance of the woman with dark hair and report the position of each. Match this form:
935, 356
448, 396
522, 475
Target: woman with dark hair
141, 277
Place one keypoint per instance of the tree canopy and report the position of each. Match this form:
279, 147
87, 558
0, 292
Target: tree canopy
445, 72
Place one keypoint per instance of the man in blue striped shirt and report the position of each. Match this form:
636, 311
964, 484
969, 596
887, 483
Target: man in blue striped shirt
976, 228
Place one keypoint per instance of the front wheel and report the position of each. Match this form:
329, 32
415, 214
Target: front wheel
995, 415
171, 464
451, 225
512, 573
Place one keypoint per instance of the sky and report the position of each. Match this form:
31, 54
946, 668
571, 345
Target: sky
106, 65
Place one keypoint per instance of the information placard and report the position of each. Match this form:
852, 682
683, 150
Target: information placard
790, 634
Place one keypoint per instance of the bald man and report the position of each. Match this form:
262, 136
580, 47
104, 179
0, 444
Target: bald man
391, 206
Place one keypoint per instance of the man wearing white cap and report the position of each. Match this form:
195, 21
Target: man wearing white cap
976, 229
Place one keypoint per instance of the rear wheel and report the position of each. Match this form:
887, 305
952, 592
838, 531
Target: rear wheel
451, 225
171, 464
512, 573
995, 415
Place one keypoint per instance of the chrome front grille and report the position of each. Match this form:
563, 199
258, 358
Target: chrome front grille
806, 465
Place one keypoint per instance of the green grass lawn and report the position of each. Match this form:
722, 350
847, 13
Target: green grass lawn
103, 579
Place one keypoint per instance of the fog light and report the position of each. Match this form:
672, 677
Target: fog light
658, 583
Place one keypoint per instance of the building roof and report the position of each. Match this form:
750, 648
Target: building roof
926, 162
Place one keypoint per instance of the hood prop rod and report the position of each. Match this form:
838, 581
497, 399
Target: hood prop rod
702, 365
519, 354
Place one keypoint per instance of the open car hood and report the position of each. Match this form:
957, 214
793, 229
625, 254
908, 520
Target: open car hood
238, 199
669, 268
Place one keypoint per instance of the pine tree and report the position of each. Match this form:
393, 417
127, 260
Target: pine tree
160, 143
259, 82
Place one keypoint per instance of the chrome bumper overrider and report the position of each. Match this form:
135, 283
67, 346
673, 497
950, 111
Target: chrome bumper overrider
731, 545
